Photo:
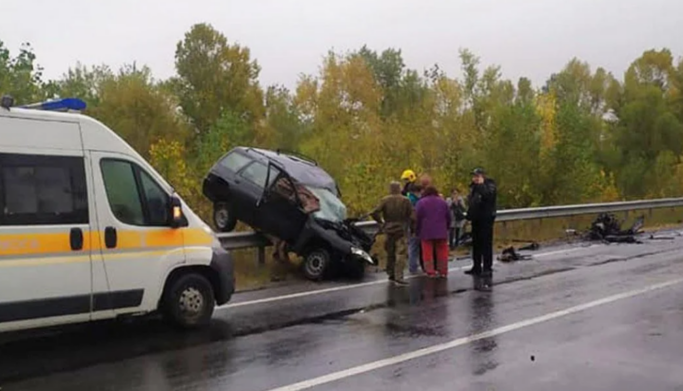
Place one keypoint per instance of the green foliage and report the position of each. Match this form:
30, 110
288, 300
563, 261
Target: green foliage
214, 76
227, 132
583, 136
21, 76
136, 107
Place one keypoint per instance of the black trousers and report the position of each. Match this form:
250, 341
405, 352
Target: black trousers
482, 245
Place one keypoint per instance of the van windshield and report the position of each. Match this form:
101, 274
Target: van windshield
331, 207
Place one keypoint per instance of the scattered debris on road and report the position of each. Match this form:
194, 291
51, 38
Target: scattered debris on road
533, 246
606, 227
511, 255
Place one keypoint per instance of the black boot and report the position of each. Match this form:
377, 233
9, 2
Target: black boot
473, 271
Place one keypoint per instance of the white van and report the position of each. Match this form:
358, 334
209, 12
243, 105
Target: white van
89, 230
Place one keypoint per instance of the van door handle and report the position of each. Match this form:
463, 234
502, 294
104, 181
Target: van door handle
76, 239
110, 238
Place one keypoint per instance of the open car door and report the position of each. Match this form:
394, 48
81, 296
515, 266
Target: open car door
284, 206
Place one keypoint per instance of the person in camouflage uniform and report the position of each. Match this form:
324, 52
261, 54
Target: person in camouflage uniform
395, 217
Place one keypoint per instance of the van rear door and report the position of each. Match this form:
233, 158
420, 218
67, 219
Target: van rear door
45, 231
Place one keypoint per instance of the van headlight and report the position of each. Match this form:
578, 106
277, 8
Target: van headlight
363, 255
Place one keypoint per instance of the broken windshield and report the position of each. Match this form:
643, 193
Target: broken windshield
331, 207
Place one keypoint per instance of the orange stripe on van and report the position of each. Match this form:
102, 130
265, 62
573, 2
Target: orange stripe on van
197, 237
56, 243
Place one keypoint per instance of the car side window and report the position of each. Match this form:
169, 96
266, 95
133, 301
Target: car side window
42, 190
134, 197
234, 161
275, 173
256, 173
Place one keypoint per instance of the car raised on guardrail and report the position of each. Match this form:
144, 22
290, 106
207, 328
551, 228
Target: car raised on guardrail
290, 197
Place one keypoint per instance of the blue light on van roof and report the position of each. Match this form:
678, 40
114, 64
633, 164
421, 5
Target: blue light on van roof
63, 104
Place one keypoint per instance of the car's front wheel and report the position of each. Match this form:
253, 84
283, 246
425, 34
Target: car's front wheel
316, 263
189, 301
224, 217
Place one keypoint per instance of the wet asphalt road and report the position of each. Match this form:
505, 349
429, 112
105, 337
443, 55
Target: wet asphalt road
574, 318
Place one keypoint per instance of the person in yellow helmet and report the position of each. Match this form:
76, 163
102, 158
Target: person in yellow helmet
408, 177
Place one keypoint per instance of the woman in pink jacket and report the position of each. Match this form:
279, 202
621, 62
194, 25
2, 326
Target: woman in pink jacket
433, 220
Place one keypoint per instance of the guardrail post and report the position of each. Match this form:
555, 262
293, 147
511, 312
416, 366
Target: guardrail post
261, 256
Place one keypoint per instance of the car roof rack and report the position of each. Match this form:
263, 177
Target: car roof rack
297, 155
63, 104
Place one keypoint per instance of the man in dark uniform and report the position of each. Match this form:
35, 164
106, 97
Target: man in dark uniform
482, 215
395, 217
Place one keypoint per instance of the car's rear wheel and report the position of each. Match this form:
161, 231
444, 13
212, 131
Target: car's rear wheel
224, 217
189, 301
316, 263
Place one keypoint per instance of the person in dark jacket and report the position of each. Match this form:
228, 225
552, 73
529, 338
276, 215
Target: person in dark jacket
482, 215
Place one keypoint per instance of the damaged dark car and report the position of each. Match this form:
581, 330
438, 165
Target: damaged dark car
290, 197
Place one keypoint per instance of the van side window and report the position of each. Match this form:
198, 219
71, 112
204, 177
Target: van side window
134, 197
42, 190
157, 201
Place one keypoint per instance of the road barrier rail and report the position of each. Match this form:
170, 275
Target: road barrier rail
246, 240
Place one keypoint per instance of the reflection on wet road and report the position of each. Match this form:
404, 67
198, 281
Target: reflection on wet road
588, 318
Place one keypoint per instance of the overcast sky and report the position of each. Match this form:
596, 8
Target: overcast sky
288, 37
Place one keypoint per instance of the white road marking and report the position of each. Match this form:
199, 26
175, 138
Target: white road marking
363, 284
306, 384
325, 290
565, 251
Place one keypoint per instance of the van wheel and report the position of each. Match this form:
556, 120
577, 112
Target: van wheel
189, 301
224, 217
316, 263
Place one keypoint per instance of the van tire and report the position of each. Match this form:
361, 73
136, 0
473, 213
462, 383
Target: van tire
189, 301
317, 263
224, 217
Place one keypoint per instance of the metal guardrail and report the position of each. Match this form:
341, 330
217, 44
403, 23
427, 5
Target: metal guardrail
244, 240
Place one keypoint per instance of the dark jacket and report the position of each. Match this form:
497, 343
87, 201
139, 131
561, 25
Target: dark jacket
482, 201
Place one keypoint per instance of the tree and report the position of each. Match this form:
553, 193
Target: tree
388, 71
214, 77
137, 109
285, 127
229, 131
85, 83
21, 76
648, 123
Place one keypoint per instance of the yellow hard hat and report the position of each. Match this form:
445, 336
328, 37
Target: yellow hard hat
408, 175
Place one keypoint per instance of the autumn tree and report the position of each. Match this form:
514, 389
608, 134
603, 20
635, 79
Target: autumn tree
215, 77
20, 76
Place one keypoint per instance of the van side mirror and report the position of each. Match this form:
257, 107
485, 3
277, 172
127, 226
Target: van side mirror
178, 218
